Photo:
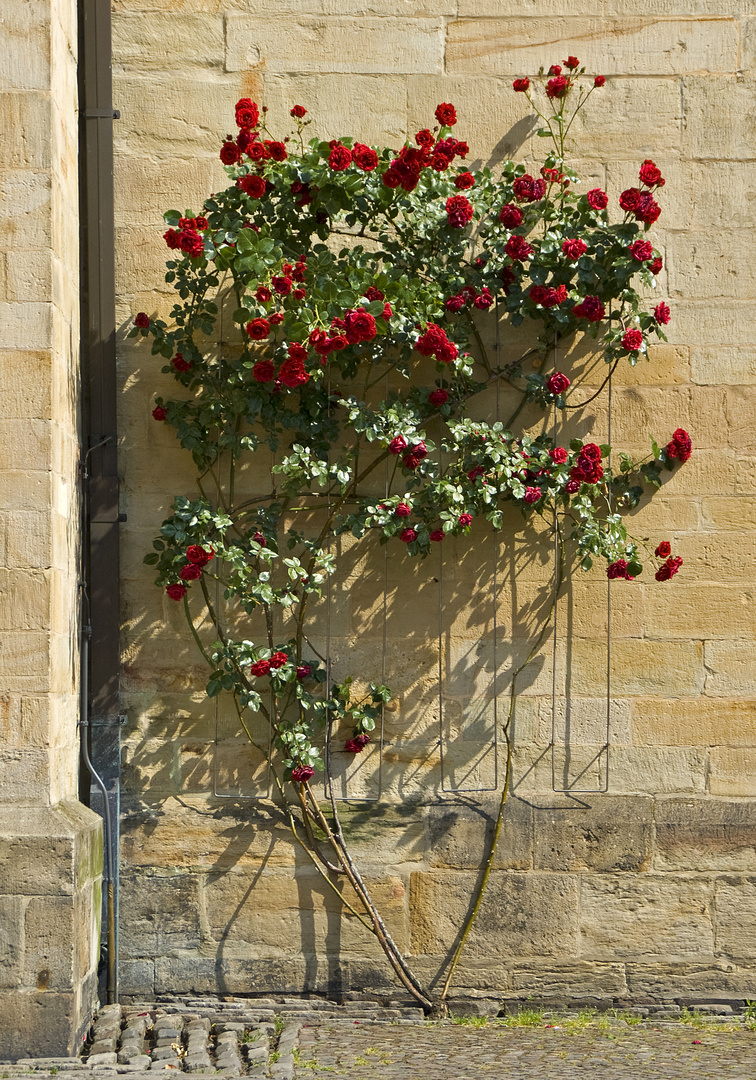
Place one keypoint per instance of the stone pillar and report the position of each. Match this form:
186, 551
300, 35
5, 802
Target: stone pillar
50, 845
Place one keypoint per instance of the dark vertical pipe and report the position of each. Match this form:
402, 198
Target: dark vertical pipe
100, 652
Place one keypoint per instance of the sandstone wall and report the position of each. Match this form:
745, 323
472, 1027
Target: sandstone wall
50, 847
646, 890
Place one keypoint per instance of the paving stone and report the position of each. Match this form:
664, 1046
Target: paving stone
96, 1060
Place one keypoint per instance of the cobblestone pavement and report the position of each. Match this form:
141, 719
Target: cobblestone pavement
617, 1051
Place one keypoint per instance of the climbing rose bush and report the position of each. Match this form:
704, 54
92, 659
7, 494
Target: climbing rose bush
335, 304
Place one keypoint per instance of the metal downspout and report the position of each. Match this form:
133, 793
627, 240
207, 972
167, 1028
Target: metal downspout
100, 721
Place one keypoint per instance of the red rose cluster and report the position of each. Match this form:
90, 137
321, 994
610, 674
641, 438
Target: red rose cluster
197, 558
357, 744
527, 189
547, 296
187, 240
300, 774
590, 308
482, 300
641, 204
619, 569
587, 468
404, 171
459, 211
434, 342
410, 460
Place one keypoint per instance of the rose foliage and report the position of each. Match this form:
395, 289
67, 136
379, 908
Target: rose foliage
354, 290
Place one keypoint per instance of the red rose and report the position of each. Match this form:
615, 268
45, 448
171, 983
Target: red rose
680, 446
191, 243
437, 535
359, 326
264, 371
555, 69
669, 569
403, 510
253, 185
632, 340
278, 659
159, 412
180, 364
532, 494
599, 80
142, 320
455, 303
573, 249
517, 248
572, 487
510, 216
465, 520
459, 211
508, 279
190, 572
591, 451
201, 224
439, 397
340, 157
664, 549
300, 774
642, 250
484, 301
650, 175
230, 153
276, 319
387, 312
258, 329
260, 668
303, 671
408, 535
247, 113
282, 285
597, 199
364, 157
446, 114
464, 181
372, 294
297, 351
299, 294
391, 178
590, 308
661, 314
558, 455
171, 238
292, 373
298, 112
557, 383
527, 189
521, 85
357, 744
263, 294
618, 569
572, 62
176, 592
629, 200
656, 265
397, 445
424, 138
648, 209
558, 87
198, 555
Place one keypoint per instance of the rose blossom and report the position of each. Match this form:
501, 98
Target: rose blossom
572, 62
360, 326
298, 111
510, 215
252, 185
142, 319
364, 157
437, 535
650, 174
446, 114
260, 668
590, 308
558, 87
459, 211
597, 199
263, 371
663, 550
159, 412
669, 569
247, 113
357, 744
190, 572
464, 181
258, 329
230, 153
573, 249
278, 659
198, 555
618, 569
532, 494
558, 455
303, 671
632, 340
176, 592
484, 301
438, 397
656, 265
408, 535
642, 250
292, 373
680, 445
180, 364
661, 314
555, 69
557, 383
455, 303
403, 510
527, 189
521, 85
572, 487
599, 80
517, 248
465, 520
300, 774
340, 157
397, 445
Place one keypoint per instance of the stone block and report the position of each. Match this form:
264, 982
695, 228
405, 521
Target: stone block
25, 324
635, 917
732, 770
583, 722
539, 912
49, 952
26, 600
735, 918
700, 610
143, 42
720, 121
226, 975
159, 914
638, 668
11, 941
662, 981
697, 721
28, 533
658, 770
25, 214
705, 834
727, 512
613, 46
25, 383
730, 670
568, 979
364, 46
459, 834
613, 834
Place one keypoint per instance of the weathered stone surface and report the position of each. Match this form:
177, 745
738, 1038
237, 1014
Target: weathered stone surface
539, 911
735, 912
611, 834
458, 834
158, 913
566, 978
704, 834
631, 917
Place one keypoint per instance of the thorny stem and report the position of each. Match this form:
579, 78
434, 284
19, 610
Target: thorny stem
481, 889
